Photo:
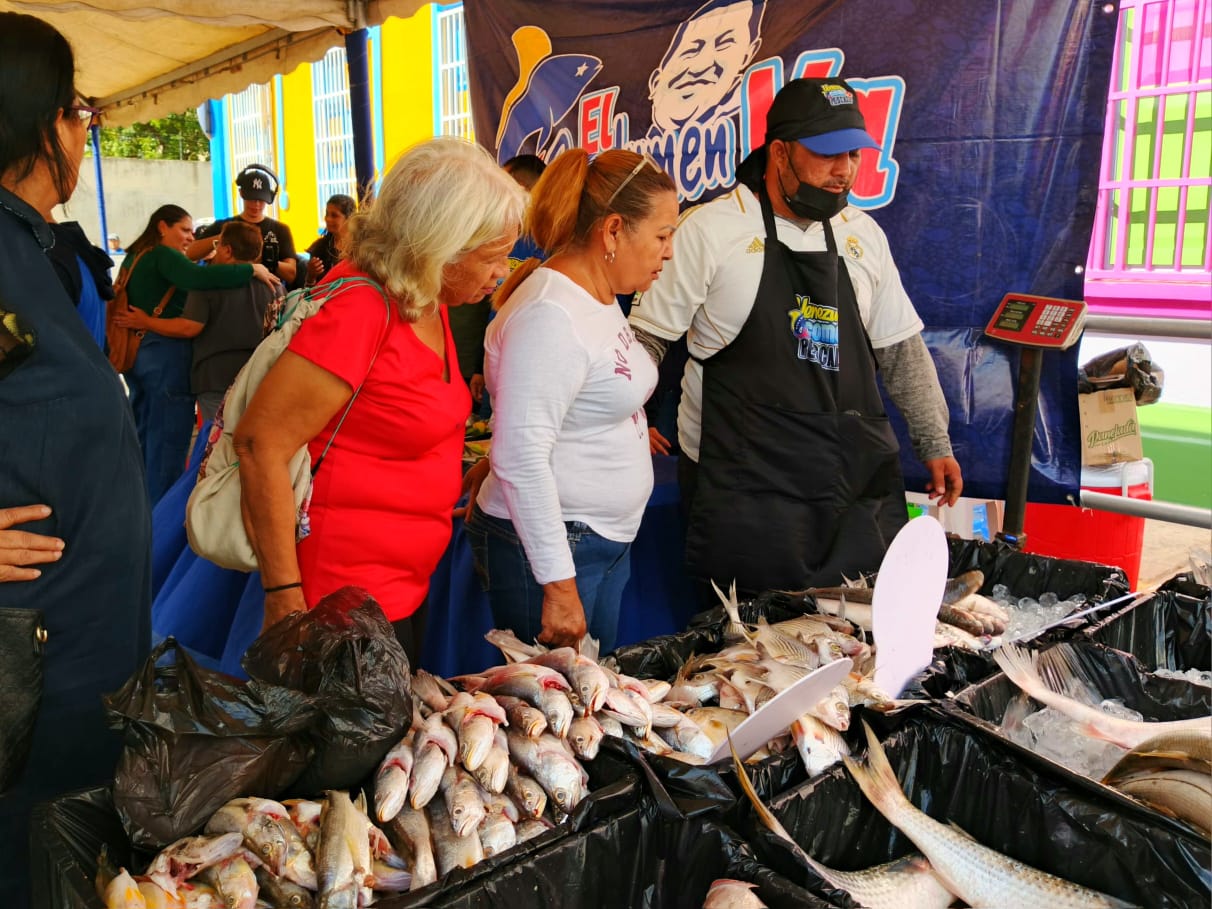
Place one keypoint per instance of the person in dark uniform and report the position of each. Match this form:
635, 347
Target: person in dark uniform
67, 446
326, 251
790, 301
258, 188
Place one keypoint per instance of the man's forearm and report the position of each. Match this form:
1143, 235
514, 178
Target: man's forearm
912, 383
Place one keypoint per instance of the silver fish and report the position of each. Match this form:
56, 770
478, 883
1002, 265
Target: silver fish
977, 874
515, 650
546, 760
392, 779
730, 894
819, 745
522, 716
588, 680
833, 709
499, 803
411, 832
494, 771
473, 728
450, 849
463, 802
305, 815
585, 736
526, 793
529, 828
282, 893
343, 857
621, 706
431, 690
687, 737
657, 689
1060, 676
497, 834
235, 881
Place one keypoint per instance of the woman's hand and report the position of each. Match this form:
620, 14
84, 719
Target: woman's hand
281, 604
472, 481
563, 615
315, 269
657, 443
133, 318
477, 387
19, 548
265, 276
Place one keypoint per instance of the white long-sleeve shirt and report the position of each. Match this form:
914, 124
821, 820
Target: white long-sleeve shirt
569, 439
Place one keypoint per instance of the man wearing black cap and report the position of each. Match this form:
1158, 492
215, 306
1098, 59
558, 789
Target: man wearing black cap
258, 187
789, 301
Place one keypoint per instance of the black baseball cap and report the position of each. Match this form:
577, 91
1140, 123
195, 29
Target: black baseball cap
257, 182
821, 114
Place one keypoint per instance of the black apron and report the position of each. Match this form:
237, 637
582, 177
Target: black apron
799, 479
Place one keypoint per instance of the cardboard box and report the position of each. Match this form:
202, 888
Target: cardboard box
1110, 429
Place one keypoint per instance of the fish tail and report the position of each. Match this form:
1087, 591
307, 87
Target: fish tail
877, 778
767, 816
1020, 668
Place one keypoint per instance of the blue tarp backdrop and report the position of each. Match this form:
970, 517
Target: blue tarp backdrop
990, 117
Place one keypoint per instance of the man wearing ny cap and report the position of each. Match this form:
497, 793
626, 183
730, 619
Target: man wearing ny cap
258, 187
790, 300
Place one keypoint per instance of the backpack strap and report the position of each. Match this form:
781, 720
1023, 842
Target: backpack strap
386, 331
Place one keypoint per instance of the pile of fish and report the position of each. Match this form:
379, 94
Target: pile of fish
1167, 765
256, 851
951, 863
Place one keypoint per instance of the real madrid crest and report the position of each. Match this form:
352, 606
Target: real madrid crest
854, 249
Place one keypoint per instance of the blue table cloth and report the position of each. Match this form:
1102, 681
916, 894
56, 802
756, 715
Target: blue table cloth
216, 613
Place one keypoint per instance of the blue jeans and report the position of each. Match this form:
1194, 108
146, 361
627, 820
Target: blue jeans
164, 408
603, 567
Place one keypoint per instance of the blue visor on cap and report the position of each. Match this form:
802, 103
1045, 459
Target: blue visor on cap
838, 142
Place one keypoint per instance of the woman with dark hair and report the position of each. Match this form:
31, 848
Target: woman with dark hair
158, 276
571, 471
67, 447
326, 252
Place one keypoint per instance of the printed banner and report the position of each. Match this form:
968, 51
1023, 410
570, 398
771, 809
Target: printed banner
989, 116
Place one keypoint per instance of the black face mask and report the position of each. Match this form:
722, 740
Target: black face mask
811, 202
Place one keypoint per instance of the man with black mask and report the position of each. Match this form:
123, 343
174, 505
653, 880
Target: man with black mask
790, 301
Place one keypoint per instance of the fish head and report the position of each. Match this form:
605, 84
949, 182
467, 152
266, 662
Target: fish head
269, 840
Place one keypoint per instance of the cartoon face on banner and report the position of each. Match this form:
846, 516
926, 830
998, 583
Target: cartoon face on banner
709, 100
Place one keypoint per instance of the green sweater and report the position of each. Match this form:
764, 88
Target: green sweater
163, 267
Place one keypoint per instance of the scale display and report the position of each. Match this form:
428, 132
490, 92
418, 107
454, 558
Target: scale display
1037, 321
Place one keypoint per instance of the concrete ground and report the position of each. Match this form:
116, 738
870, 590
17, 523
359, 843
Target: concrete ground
1168, 549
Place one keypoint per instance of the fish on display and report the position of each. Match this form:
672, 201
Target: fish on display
235, 882
1172, 774
729, 894
392, 779
435, 748
463, 802
411, 829
1055, 674
343, 863
283, 893
905, 883
188, 856
549, 763
451, 850
977, 874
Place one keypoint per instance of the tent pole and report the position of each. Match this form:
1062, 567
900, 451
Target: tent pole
94, 136
359, 109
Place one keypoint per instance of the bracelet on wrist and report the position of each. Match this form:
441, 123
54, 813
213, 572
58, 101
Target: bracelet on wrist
283, 587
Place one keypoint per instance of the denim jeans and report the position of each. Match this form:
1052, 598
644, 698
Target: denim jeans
163, 407
602, 566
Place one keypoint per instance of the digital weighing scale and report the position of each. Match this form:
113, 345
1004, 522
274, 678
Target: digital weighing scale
1035, 324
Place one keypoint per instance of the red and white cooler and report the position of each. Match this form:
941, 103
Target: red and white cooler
1069, 532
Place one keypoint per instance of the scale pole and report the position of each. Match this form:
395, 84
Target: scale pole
1026, 405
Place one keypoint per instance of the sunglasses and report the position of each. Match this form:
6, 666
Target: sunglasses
644, 159
90, 116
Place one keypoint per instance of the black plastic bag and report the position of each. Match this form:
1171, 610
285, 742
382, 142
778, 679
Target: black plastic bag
1170, 630
345, 656
1127, 367
195, 739
956, 774
22, 636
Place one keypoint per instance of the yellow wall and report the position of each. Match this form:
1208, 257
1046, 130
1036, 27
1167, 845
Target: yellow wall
303, 217
408, 77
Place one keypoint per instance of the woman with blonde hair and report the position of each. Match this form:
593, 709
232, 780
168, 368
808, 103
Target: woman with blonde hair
571, 471
374, 373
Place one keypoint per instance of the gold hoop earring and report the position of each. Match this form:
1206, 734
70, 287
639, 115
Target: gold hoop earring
609, 257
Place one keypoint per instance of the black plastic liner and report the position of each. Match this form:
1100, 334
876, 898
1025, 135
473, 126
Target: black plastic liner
1115, 675
67, 835
956, 774
1170, 630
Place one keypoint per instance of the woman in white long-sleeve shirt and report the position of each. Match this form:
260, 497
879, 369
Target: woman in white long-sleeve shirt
571, 471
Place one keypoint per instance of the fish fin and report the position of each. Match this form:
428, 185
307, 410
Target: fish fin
470, 683
589, 647
1061, 672
767, 816
1019, 666
513, 649
877, 778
